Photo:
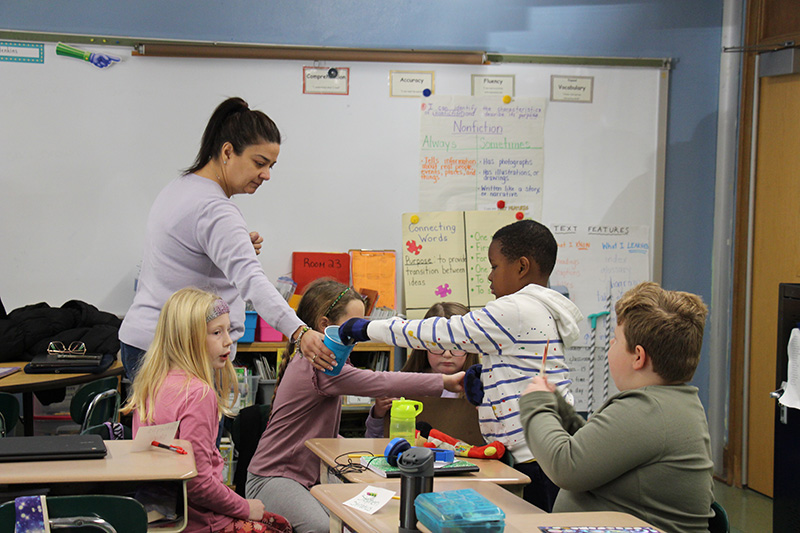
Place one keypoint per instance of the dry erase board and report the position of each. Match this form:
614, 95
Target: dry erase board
85, 151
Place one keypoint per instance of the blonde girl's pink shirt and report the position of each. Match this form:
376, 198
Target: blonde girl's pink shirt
212, 505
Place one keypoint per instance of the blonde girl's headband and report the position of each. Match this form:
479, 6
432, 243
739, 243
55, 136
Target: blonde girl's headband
219, 308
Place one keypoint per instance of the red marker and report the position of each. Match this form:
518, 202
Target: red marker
176, 449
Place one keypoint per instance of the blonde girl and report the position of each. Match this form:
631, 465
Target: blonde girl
187, 376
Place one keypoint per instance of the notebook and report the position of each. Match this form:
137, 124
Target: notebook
52, 448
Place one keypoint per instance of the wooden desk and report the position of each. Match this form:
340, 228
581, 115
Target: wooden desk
120, 467
521, 517
329, 449
27, 384
387, 519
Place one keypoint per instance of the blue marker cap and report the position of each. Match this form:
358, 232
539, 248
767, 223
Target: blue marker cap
426, 92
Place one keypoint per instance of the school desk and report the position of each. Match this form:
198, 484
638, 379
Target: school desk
520, 515
329, 449
387, 518
119, 472
27, 384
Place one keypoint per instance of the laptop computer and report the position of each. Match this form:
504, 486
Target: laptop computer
52, 448
46, 360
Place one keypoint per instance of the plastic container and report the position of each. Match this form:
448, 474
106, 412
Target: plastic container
459, 511
403, 421
266, 387
341, 351
250, 323
266, 333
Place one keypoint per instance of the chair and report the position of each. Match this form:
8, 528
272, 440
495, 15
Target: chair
95, 403
453, 416
86, 514
246, 431
105, 432
719, 522
9, 413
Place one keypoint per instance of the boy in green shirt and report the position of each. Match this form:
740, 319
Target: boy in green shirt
647, 450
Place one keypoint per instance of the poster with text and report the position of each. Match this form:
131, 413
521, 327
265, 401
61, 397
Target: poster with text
596, 265
434, 259
476, 151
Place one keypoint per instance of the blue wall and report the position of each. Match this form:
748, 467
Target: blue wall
687, 31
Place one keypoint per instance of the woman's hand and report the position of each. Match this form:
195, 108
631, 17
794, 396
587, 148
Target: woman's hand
256, 509
381, 407
256, 239
539, 383
454, 382
313, 348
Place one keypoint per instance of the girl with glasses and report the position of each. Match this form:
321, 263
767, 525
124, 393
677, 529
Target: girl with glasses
426, 361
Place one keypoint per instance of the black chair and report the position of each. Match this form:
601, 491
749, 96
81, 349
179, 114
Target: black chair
9, 413
95, 403
86, 514
719, 522
248, 426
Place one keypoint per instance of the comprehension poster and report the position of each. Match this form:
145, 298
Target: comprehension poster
476, 151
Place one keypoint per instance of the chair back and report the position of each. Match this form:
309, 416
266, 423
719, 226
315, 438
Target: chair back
719, 522
79, 404
453, 416
9, 413
248, 426
105, 431
104, 407
87, 514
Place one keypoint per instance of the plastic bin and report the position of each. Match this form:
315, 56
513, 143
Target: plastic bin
266, 387
250, 324
266, 333
462, 511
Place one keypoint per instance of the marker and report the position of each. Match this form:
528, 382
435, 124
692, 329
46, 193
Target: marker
358, 455
176, 449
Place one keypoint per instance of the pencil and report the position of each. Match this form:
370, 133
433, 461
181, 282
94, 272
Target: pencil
544, 359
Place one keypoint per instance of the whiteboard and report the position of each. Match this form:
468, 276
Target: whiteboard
85, 151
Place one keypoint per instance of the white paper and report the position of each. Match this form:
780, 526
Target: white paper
145, 435
370, 499
791, 394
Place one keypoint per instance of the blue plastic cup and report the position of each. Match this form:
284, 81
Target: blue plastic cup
340, 350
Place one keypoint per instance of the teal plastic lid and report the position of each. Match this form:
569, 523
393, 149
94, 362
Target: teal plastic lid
456, 508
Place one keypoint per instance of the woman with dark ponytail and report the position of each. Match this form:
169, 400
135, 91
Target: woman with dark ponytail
196, 236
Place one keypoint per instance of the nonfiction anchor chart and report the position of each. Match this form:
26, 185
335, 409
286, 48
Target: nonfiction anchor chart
476, 151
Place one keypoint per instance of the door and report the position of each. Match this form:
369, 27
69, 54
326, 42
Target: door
776, 259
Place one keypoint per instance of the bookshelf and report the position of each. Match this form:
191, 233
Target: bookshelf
359, 357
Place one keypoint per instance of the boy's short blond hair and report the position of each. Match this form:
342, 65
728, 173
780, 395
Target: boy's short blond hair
667, 324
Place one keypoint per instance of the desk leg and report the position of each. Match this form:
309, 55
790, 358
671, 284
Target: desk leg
336, 525
516, 490
27, 413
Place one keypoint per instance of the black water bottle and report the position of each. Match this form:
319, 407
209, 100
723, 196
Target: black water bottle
416, 477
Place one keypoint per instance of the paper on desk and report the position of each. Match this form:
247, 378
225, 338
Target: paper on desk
370, 499
145, 435
791, 394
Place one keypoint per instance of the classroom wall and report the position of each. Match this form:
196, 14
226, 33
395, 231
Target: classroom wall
687, 31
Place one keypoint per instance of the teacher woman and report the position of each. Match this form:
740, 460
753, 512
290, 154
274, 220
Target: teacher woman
196, 236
